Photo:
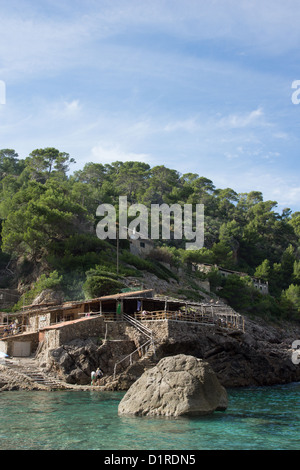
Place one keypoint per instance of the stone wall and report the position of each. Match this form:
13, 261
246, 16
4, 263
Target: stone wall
7, 344
54, 337
83, 329
163, 330
181, 331
39, 321
61, 334
172, 330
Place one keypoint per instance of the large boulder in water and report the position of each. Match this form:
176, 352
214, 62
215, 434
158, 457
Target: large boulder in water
177, 385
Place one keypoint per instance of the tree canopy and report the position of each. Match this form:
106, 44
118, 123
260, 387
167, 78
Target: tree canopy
48, 219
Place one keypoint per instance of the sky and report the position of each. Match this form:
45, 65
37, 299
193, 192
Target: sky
201, 86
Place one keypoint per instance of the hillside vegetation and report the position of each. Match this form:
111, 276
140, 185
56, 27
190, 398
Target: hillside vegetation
48, 232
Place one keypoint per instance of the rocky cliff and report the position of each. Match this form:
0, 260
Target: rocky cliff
261, 355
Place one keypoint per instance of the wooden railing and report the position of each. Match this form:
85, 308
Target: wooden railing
223, 317
138, 325
6, 331
207, 314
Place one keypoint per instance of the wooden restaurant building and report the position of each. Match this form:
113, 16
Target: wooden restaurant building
140, 305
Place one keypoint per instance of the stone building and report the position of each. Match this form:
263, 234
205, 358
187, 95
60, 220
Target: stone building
42, 320
141, 247
259, 284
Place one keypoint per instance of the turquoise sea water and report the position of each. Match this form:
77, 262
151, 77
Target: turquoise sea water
257, 418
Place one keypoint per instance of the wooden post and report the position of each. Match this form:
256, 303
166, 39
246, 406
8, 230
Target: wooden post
117, 248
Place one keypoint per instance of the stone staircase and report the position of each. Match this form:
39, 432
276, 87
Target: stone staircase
29, 368
145, 352
133, 370
149, 359
42, 379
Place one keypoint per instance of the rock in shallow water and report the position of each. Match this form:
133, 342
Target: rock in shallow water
177, 385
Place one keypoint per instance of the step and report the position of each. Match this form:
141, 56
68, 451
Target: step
35, 375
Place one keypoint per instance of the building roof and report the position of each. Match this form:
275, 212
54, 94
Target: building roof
56, 326
52, 307
122, 295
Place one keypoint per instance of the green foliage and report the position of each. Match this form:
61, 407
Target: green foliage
237, 291
295, 223
103, 271
263, 270
146, 265
190, 294
72, 285
162, 254
10, 163
102, 281
97, 286
51, 281
296, 272
48, 220
291, 300
215, 279
40, 215
244, 298
49, 162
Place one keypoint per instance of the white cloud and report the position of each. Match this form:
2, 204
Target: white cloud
291, 196
32, 42
33, 47
282, 189
143, 81
231, 156
250, 119
188, 125
72, 107
63, 110
102, 154
270, 26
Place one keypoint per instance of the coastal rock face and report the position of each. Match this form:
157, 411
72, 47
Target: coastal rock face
75, 361
11, 380
177, 385
49, 295
259, 356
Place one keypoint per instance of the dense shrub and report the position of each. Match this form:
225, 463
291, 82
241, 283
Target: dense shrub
97, 286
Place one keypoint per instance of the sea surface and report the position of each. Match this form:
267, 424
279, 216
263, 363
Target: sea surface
264, 418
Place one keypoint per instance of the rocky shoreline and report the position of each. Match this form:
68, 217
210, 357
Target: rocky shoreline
259, 356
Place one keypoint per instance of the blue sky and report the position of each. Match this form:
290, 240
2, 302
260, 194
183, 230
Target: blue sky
201, 86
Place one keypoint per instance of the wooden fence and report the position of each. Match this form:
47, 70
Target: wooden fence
224, 317
205, 314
